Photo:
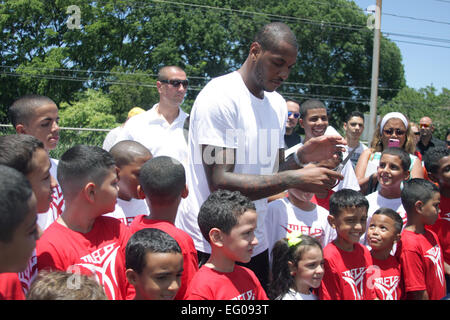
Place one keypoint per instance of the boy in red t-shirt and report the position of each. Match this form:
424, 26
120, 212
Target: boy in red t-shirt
154, 264
227, 220
27, 154
162, 182
346, 260
81, 240
437, 162
383, 231
18, 230
419, 250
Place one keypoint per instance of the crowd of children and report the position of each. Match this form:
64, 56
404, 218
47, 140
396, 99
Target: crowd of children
102, 226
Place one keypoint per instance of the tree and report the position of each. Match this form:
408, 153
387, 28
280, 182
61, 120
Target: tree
416, 104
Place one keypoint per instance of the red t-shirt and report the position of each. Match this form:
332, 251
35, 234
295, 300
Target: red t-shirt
101, 251
387, 279
240, 284
422, 263
346, 274
184, 240
10, 287
442, 227
323, 202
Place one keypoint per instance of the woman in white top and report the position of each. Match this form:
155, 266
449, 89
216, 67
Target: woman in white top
393, 130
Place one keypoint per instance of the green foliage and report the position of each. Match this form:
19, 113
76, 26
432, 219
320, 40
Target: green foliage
416, 104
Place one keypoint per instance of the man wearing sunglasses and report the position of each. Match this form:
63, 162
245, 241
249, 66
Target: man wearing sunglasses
291, 138
237, 125
160, 129
427, 141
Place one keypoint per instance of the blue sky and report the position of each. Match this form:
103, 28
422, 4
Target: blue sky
424, 65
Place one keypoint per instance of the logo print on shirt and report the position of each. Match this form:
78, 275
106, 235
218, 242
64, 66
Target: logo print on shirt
354, 278
249, 295
102, 264
435, 256
388, 287
446, 216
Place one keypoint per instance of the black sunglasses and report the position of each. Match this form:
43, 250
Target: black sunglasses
176, 83
398, 132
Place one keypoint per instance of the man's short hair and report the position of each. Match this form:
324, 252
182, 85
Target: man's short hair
221, 210
417, 190
15, 192
398, 221
433, 156
162, 73
82, 164
127, 151
402, 154
347, 198
309, 105
270, 36
162, 179
22, 110
355, 113
17, 150
145, 241
55, 285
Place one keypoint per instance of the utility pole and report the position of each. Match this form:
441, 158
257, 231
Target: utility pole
375, 70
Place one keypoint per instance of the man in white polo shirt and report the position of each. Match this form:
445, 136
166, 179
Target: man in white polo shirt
160, 129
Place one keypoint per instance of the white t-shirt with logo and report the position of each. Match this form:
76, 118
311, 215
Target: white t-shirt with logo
226, 114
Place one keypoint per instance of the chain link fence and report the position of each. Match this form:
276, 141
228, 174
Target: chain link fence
68, 137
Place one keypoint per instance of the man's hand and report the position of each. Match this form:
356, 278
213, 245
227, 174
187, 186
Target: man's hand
316, 179
321, 148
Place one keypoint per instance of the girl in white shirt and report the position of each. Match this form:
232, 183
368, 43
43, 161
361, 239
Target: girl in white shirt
297, 268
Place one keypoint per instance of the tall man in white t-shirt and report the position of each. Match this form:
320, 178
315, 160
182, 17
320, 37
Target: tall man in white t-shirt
236, 140
160, 129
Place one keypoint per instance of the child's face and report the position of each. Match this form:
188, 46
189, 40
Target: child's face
350, 225
239, 244
443, 173
44, 125
106, 193
308, 272
161, 277
315, 123
390, 172
381, 234
129, 178
430, 210
18, 251
41, 181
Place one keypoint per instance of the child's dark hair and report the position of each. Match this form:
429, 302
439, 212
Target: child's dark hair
310, 105
81, 164
127, 151
402, 154
417, 190
15, 193
282, 253
221, 210
347, 198
398, 221
17, 150
22, 110
162, 179
433, 156
145, 241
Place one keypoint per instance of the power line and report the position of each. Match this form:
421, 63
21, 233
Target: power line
416, 19
420, 43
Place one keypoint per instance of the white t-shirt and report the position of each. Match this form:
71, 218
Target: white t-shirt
295, 295
111, 137
349, 182
377, 201
126, 211
157, 135
226, 114
355, 156
282, 215
44, 220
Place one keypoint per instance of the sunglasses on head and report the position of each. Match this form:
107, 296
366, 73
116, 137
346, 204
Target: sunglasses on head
176, 83
398, 132
295, 114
